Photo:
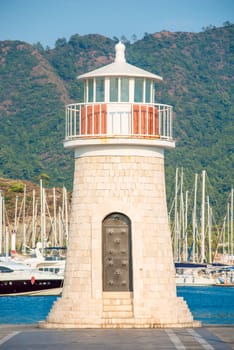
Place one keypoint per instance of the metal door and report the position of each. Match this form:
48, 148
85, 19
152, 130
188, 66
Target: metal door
116, 252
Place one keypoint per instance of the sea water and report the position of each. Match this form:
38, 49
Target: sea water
211, 305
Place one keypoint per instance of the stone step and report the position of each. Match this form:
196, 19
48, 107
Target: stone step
118, 309
116, 302
123, 307
117, 305
117, 295
117, 314
119, 321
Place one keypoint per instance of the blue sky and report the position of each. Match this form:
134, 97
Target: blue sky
45, 21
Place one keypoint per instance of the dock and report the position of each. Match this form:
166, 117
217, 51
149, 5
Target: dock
22, 337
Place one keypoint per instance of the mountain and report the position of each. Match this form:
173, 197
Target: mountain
31, 114
197, 68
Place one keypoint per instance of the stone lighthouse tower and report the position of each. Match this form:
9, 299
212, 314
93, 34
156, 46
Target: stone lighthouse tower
119, 270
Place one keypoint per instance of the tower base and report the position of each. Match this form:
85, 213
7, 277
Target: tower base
119, 269
117, 312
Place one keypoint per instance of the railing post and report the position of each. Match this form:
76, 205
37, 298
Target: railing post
168, 121
100, 119
66, 135
171, 120
140, 118
75, 116
167, 131
93, 112
70, 121
86, 120
147, 119
159, 120
79, 133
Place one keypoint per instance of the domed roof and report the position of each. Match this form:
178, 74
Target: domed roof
120, 68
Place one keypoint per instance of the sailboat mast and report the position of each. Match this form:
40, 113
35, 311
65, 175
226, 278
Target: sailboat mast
1, 222
42, 198
7, 241
66, 213
44, 219
194, 218
209, 221
228, 230
203, 258
224, 236
24, 226
182, 238
33, 222
186, 226
14, 231
176, 255
231, 223
55, 219
16, 212
4, 223
60, 239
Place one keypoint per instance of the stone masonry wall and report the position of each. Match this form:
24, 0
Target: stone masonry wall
134, 186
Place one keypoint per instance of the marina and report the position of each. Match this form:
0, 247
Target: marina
117, 274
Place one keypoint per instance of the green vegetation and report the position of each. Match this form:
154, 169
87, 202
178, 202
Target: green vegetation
17, 187
198, 81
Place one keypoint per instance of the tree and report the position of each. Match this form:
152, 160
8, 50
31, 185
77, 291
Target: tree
44, 177
39, 47
134, 38
60, 42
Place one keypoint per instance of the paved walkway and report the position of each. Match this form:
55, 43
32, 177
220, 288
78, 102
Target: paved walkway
25, 337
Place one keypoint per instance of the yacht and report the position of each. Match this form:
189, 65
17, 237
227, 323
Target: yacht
20, 279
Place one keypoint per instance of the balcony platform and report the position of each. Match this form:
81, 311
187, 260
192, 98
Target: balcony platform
118, 123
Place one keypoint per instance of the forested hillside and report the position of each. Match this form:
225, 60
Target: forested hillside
36, 83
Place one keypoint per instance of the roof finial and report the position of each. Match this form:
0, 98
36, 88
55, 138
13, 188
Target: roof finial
120, 52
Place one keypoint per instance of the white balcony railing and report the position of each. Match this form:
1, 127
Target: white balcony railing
118, 119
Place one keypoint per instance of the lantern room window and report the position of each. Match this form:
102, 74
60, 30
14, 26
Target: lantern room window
143, 90
90, 91
119, 90
138, 92
148, 91
124, 90
100, 84
114, 83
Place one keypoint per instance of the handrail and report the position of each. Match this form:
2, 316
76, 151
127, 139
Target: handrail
118, 119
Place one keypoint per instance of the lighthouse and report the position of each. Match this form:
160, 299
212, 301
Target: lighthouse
119, 269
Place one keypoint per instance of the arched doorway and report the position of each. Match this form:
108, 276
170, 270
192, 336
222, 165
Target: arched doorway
117, 253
